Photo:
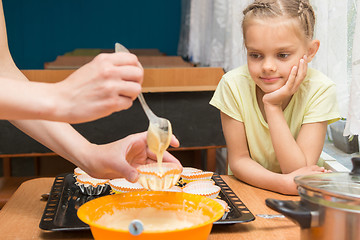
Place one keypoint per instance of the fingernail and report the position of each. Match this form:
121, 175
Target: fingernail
133, 177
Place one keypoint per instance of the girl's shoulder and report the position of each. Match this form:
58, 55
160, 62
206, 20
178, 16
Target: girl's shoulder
317, 78
315, 85
239, 72
238, 76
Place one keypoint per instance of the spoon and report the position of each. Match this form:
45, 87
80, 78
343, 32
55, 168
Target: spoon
270, 216
159, 131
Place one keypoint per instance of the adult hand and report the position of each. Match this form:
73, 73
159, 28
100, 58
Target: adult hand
109, 83
121, 158
297, 75
290, 186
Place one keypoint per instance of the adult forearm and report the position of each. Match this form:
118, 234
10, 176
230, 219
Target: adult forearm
288, 152
26, 100
20, 98
59, 137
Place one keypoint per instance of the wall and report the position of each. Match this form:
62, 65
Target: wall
39, 30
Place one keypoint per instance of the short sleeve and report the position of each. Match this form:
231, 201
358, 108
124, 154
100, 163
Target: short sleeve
323, 106
227, 100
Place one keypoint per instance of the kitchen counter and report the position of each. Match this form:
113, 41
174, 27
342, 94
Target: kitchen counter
20, 217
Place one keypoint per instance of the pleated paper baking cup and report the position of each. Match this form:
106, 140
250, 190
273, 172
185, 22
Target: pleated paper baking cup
174, 189
78, 171
200, 183
225, 205
211, 191
159, 177
187, 170
91, 186
195, 176
121, 185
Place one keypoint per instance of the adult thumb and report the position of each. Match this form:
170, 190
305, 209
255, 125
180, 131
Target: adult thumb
131, 174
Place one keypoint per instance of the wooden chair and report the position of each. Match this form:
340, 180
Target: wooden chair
9, 183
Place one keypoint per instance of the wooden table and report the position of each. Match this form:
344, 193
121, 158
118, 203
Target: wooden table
20, 217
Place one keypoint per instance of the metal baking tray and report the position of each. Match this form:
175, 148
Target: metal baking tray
65, 198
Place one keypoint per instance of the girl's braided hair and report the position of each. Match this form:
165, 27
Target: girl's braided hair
294, 9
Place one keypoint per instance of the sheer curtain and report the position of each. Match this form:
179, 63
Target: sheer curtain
353, 118
332, 31
211, 35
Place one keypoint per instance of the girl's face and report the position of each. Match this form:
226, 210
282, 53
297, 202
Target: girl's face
273, 48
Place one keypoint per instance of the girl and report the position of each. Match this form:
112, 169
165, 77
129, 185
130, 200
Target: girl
274, 110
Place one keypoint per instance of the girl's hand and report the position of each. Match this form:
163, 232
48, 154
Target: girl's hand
297, 75
122, 157
290, 186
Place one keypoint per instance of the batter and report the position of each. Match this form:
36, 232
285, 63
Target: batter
153, 219
158, 140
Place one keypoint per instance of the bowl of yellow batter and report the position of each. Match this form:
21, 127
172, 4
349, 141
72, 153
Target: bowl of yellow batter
163, 215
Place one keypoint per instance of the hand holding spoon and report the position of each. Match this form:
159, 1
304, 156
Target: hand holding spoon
159, 131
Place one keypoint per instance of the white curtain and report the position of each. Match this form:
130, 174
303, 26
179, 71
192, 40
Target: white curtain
211, 35
353, 120
332, 31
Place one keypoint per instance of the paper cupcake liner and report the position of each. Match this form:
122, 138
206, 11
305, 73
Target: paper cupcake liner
121, 185
174, 189
152, 177
78, 171
223, 203
91, 186
226, 207
188, 170
200, 183
90, 190
211, 191
189, 177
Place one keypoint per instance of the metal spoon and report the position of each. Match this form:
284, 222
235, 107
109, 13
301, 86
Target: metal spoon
270, 216
159, 131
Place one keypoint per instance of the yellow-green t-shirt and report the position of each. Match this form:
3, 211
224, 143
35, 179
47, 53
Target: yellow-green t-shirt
315, 101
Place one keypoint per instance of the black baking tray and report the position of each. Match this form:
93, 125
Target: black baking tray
65, 198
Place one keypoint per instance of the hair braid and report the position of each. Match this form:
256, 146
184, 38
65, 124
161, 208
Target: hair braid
295, 9
256, 5
307, 15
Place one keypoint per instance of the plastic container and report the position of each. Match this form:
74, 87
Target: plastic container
343, 142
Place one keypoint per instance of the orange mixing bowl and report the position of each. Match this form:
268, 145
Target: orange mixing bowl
91, 211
